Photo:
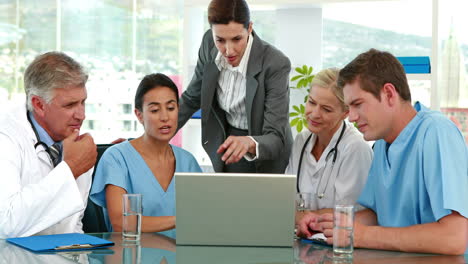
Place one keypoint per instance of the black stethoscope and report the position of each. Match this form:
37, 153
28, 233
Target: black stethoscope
334, 150
39, 142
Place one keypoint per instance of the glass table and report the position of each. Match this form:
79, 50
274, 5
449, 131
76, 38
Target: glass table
161, 248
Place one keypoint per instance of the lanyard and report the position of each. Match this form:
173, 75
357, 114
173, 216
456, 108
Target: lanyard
335, 153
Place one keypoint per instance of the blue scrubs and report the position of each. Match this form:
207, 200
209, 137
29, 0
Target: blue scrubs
121, 165
422, 176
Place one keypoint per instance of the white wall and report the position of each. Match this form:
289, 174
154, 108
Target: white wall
299, 36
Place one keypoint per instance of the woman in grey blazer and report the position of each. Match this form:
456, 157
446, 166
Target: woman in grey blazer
241, 85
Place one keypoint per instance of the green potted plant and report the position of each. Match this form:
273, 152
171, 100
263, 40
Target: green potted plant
302, 82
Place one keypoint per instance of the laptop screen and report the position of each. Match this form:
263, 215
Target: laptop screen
235, 209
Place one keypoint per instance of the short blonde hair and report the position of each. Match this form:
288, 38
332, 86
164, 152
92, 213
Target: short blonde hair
327, 78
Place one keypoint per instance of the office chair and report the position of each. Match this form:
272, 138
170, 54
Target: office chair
93, 218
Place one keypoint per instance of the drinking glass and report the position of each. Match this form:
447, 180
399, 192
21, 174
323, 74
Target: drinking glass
131, 226
343, 231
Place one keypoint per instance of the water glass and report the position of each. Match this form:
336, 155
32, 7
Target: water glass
343, 231
306, 201
132, 209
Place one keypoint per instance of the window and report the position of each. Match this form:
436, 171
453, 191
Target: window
453, 63
126, 109
127, 125
88, 124
352, 28
121, 41
117, 41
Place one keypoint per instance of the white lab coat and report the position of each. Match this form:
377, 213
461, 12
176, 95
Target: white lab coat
346, 178
35, 197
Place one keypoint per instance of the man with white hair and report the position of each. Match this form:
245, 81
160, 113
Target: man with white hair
46, 165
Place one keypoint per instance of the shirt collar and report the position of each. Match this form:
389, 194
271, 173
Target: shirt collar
43, 136
420, 107
410, 128
222, 63
406, 135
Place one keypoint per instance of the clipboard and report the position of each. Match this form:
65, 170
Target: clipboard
60, 242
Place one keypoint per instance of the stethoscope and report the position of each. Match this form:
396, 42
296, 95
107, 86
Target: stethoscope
334, 150
39, 142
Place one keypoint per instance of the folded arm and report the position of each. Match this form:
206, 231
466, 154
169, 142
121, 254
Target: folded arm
448, 236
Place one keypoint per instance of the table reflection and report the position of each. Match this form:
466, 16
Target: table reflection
233, 255
311, 253
161, 248
152, 248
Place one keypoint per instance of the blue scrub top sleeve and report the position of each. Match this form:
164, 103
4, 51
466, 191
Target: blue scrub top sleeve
445, 162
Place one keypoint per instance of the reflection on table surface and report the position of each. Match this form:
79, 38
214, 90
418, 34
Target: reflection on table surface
317, 254
161, 248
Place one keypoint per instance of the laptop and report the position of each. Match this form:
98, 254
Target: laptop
226, 209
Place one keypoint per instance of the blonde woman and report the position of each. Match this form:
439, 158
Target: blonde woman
331, 158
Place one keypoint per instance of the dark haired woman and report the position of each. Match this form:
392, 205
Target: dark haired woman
146, 164
241, 85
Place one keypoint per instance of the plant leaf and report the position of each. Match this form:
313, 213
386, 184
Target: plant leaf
295, 121
299, 126
299, 70
300, 83
310, 70
295, 78
305, 98
295, 107
305, 69
302, 108
293, 114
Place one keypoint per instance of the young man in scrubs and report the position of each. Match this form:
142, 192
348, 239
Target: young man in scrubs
416, 193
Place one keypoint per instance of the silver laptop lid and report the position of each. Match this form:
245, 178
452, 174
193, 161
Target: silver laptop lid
235, 209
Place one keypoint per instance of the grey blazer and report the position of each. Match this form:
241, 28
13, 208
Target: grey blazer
267, 104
